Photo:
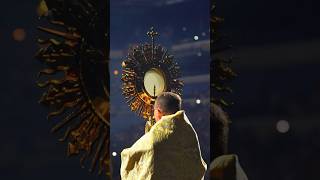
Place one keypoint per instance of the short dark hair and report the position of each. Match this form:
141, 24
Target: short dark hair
168, 102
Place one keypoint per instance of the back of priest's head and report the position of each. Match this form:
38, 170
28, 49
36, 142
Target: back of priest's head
168, 103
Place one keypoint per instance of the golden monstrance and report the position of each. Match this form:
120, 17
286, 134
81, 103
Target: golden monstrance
147, 71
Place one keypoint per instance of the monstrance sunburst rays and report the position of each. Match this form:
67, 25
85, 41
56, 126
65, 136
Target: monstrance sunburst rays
140, 60
76, 77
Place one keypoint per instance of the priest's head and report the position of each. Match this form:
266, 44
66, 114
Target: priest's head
166, 103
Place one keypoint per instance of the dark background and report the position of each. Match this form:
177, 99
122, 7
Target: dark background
28, 150
277, 48
276, 45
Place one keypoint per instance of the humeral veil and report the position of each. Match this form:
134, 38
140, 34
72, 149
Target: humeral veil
169, 151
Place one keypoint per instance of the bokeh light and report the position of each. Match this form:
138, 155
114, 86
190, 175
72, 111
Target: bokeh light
184, 29
114, 154
19, 34
283, 126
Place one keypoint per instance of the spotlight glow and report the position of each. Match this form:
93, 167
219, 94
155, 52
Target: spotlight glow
198, 101
196, 38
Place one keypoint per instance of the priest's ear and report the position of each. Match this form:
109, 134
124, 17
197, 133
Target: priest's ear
157, 114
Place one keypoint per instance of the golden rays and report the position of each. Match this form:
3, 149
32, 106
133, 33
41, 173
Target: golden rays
78, 100
163, 72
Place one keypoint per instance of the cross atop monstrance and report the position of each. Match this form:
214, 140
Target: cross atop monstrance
152, 33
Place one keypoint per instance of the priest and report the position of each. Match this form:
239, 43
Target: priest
169, 151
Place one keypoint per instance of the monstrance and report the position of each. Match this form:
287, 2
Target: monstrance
147, 71
75, 77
